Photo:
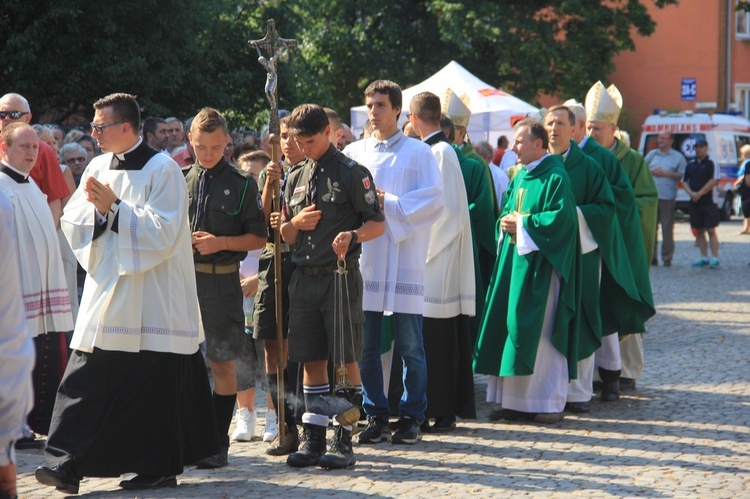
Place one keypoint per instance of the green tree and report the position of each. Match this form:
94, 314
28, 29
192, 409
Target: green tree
176, 56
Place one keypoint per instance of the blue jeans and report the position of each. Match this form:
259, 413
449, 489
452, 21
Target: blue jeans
409, 344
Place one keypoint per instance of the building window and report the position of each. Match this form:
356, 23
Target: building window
743, 24
742, 98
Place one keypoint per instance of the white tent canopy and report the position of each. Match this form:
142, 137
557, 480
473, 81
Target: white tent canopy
493, 112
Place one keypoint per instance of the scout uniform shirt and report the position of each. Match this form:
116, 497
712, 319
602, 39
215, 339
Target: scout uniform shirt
345, 193
224, 202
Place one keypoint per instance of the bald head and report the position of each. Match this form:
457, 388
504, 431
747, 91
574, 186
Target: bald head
15, 109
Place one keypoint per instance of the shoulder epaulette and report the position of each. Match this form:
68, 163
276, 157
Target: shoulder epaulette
346, 160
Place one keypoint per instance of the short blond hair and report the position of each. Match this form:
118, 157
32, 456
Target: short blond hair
208, 120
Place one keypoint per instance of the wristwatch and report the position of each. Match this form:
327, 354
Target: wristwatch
113, 206
355, 237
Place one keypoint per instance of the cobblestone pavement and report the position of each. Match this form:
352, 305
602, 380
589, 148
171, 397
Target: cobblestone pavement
685, 431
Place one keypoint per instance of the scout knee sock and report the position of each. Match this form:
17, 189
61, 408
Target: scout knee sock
224, 408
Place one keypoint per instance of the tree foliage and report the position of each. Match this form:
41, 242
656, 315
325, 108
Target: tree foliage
179, 56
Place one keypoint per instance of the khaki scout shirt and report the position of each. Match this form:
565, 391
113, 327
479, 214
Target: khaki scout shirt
346, 196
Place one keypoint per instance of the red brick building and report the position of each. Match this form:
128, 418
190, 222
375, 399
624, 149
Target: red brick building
700, 42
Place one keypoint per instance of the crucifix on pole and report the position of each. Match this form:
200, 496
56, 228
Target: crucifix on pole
274, 45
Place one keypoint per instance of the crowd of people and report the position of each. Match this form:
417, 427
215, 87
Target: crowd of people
411, 259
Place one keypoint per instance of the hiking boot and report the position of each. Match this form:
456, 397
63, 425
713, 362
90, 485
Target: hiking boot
245, 429
271, 429
408, 431
340, 454
313, 447
377, 430
291, 443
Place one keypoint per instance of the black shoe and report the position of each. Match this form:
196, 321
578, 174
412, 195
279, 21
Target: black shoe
610, 384
216, 461
577, 407
408, 432
31, 442
144, 482
340, 455
444, 425
377, 430
511, 415
425, 426
291, 443
627, 384
313, 447
59, 478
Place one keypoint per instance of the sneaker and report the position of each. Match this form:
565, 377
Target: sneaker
271, 431
245, 430
408, 432
714, 263
377, 430
703, 262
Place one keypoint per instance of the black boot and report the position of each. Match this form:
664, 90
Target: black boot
313, 447
610, 384
340, 455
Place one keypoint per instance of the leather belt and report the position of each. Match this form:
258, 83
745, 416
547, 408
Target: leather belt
217, 268
284, 247
328, 269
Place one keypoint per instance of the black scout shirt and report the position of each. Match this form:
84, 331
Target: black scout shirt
345, 195
232, 207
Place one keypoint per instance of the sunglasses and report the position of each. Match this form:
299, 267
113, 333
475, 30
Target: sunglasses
75, 160
14, 115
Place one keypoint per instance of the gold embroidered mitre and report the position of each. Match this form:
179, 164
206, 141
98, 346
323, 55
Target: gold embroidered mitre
457, 109
603, 104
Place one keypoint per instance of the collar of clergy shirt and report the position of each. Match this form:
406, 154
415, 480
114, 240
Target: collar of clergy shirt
121, 155
24, 175
534, 164
390, 141
435, 137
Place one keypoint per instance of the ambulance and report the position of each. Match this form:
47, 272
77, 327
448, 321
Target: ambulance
725, 135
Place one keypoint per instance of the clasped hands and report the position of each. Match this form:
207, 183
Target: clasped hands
99, 194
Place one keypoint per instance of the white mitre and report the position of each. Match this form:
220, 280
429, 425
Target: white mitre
603, 104
457, 109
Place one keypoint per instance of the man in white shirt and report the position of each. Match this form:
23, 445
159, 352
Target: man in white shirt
410, 191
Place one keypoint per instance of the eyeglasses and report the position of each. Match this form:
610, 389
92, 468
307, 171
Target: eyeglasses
100, 128
14, 115
75, 160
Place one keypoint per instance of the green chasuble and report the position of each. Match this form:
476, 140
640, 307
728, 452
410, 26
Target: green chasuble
620, 311
594, 198
469, 151
517, 298
481, 199
644, 187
